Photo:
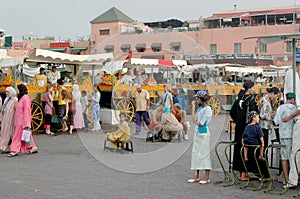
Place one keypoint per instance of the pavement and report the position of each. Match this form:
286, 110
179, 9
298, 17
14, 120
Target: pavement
75, 166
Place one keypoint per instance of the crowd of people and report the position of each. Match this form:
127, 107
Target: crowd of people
70, 108
255, 125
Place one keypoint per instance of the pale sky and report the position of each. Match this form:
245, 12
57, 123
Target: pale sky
70, 18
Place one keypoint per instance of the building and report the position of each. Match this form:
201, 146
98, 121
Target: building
215, 39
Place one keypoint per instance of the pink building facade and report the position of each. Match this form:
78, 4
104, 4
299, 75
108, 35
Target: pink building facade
219, 38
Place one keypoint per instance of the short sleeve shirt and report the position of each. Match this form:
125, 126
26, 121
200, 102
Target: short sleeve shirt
141, 100
252, 134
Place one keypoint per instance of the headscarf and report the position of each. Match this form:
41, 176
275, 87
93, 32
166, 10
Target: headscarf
76, 93
22, 91
167, 110
12, 93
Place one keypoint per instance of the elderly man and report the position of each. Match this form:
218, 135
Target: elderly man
40, 79
288, 87
142, 101
53, 76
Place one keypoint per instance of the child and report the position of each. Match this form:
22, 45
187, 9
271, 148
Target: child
253, 135
48, 108
122, 134
286, 130
84, 103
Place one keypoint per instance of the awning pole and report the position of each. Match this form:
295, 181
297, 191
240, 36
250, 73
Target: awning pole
294, 64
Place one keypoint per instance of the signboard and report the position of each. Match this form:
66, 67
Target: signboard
228, 56
59, 44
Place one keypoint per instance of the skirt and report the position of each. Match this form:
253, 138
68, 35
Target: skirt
201, 152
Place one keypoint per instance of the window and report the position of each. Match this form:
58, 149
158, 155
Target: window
262, 47
237, 48
109, 48
289, 46
213, 49
140, 47
175, 46
125, 48
104, 32
156, 47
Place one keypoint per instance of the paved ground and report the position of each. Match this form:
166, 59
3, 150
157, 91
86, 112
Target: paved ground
75, 166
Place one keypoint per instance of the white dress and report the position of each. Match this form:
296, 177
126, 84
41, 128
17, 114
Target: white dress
201, 145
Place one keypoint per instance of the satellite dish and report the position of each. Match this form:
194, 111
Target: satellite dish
2, 32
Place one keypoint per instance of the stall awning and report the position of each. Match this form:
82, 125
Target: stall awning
113, 66
157, 62
12, 61
47, 56
57, 49
78, 48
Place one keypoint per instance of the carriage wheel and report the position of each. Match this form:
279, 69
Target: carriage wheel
276, 103
125, 106
257, 99
37, 116
215, 104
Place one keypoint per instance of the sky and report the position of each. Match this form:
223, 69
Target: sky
69, 19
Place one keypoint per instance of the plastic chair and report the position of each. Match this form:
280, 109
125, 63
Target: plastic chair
227, 177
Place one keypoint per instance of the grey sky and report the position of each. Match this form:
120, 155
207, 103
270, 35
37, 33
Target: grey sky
70, 18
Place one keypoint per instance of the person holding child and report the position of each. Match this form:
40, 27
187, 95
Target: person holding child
286, 131
253, 135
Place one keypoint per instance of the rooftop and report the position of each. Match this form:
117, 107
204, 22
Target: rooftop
112, 14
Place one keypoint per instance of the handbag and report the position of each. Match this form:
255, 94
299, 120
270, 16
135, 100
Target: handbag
53, 111
26, 136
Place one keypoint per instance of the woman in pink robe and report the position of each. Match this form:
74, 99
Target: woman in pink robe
23, 122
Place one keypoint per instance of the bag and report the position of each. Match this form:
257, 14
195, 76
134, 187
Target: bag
26, 136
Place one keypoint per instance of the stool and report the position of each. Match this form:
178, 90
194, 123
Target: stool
105, 146
246, 186
124, 145
227, 177
271, 187
173, 133
150, 136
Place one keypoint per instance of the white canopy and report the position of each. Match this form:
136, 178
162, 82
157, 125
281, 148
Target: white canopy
113, 66
41, 55
227, 67
157, 62
12, 61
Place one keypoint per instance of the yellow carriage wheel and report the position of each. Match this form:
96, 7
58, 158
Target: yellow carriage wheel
257, 99
276, 103
37, 116
125, 106
215, 104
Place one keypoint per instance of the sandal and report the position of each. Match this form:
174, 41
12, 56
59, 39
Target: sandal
12, 154
33, 150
